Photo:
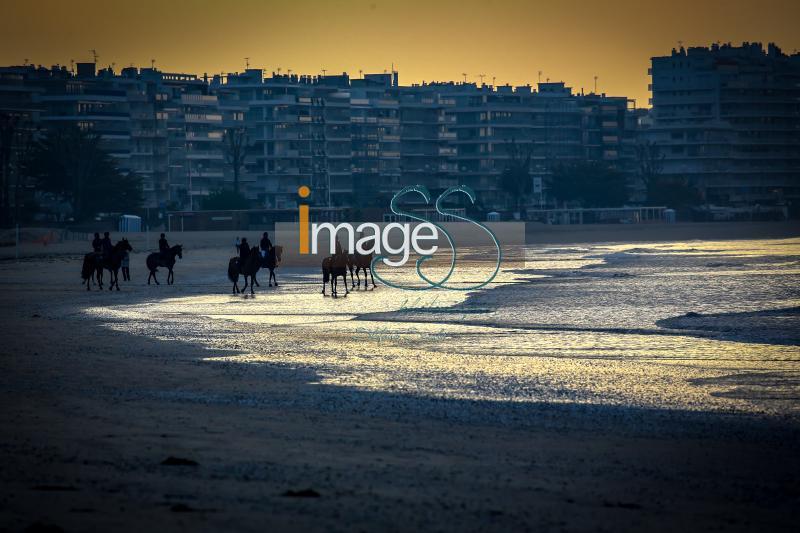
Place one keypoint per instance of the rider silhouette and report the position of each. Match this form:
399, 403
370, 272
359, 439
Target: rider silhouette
244, 250
266, 244
163, 245
105, 245
97, 244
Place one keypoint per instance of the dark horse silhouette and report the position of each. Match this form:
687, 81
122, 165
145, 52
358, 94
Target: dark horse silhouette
92, 267
271, 261
94, 263
164, 259
333, 268
248, 268
358, 262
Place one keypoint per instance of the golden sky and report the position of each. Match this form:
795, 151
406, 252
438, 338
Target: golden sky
509, 40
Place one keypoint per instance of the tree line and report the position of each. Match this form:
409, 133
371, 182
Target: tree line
70, 164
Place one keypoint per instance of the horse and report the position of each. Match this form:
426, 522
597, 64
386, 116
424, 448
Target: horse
251, 265
271, 261
113, 262
92, 267
358, 262
334, 267
165, 259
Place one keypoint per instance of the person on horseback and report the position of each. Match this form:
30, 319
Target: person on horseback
97, 243
163, 246
265, 244
105, 245
244, 250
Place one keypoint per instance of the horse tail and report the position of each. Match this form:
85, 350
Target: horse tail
233, 270
87, 268
326, 269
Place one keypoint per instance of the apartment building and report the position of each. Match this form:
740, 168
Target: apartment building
355, 142
727, 119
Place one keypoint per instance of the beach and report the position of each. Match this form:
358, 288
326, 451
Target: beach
607, 382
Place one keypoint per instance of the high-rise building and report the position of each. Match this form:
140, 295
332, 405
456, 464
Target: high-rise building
727, 119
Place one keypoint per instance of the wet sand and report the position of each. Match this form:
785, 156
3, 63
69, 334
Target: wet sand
91, 413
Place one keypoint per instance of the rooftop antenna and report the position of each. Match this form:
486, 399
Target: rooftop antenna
595, 85
246, 63
94, 55
153, 64
360, 73
323, 72
540, 76
71, 65
481, 76
465, 77
493, 80
279, 71
289, 71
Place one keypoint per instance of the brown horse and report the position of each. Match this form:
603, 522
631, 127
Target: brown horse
358, 262
248, 269
334, 267
92, 267
271, 261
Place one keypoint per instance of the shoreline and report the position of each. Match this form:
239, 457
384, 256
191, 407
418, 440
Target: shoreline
535, 234
94, 412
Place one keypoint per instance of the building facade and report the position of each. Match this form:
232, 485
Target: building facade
355, 142
727, 119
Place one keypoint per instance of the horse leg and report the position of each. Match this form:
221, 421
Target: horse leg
116, 278
370, 275
344, 280
170, 277
155, 278
255, 281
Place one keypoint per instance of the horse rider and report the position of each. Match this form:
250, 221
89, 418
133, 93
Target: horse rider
163, 246
265, 244
105, 245
97, 243
244, 251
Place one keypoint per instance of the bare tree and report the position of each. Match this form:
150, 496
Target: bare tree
236, 148
650, 162
8, 127
516, 177
16, 141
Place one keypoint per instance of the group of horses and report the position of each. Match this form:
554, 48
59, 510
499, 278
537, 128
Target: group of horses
251, 265
95, 263
336, 266
333, 267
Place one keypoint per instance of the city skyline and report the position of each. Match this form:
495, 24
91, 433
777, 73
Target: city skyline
506, 42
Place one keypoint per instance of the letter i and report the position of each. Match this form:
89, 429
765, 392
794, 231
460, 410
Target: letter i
303, 191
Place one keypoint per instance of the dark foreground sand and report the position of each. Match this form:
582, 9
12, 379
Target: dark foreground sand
90, 414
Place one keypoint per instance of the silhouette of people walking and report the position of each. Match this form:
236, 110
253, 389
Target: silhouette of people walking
97, 244
126, 266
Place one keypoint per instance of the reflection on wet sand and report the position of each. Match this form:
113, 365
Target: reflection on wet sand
569, 325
